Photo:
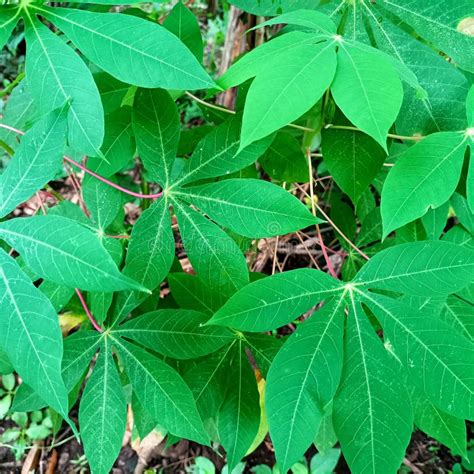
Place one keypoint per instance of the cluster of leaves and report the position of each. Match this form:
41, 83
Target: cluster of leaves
390, 345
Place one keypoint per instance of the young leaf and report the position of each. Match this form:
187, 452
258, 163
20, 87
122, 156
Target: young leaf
275, 301
162, 390
439, 361
420, 268
36, 161
213, 254
370, 101
438, 24
65, 252
179, 334
30, 334
250, 207
156, 126
150, 254
239, 415
103, 413
424, 177
54, 71
9, 17
278, 95
182, 23
302, 380
372, 412
218, 154
110, 41
353, 159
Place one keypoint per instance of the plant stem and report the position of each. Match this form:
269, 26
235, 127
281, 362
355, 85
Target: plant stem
390, 135
86, 309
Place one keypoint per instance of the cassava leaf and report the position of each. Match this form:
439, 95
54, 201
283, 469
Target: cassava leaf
156, 126
424, 177
65, 252
370, 101
239, 415
162, 391
182, 23
179, 334
9, 17
53, 71
250, 207
302, 380
36, 161
427, 268
213, 254
30, 334
272, 7
103, 413
110, 41
275, 301
279, 94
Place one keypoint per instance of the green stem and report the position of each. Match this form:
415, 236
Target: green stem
12, 85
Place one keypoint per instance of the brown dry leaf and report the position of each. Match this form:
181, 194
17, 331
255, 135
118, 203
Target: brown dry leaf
69, 320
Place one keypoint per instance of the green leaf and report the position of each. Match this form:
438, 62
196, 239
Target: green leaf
458, 314
424, 177
176, 333
434, 221
9, 17
218, 154
102, 201
370, 101
250, 207
275, 301
150, 254
353, 159
239, 416
445, 428
264, 348
439, 361
279, 94
119, 144
372, 412
214, 255
29, 322
271, 7
470, 107
284, 160
36, 161
163, 392
111, 41
156, 125
426, 268
302, 380
438, 23
65, 252
182, 23
58, 295
307, 19
53, 71
103, 413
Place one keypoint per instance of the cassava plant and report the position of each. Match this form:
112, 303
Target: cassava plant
374, 98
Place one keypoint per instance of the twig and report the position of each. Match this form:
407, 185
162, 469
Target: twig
390, 135
86, 309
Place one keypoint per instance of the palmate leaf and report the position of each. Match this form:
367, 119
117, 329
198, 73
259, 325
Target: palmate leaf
110, 41
156, 126
279, 94
295, 398
239, 416
250, 207
424, 177
179, 334
272, 7
162, 391
53, 72
275, 301
36, 161
149, 256
372, 413
218, 154
438, 24
103, 413
30, 334
9, 17
214, 255
65, 252
356, 88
